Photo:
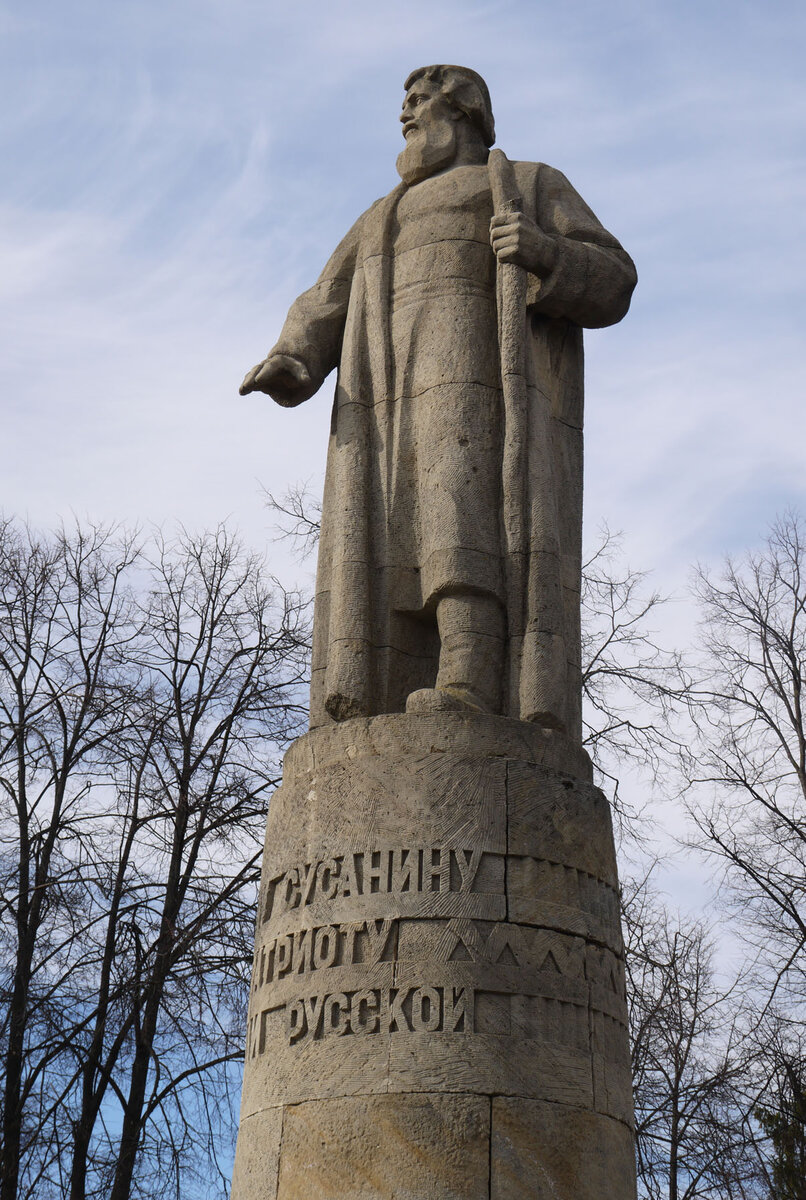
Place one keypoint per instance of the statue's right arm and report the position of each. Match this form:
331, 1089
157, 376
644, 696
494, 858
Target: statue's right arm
283, 377
309, 346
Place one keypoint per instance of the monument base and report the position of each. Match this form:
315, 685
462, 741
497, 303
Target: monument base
437, 1006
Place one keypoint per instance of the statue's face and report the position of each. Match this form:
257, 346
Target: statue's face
429, 127
424, 107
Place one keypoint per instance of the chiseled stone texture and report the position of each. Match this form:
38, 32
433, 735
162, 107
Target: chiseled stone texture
390, 1147
438, 932
549, 1152
257, 1158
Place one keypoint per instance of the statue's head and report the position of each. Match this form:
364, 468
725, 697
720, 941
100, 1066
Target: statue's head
447, 117
462, 88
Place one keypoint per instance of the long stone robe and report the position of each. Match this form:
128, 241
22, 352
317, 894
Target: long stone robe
413, 501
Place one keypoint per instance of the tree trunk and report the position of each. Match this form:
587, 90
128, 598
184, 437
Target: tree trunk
133, 1114
12, 1102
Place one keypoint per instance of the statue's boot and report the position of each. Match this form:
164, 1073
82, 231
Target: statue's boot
472, 630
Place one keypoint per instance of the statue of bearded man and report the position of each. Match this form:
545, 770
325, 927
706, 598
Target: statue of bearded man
450, 554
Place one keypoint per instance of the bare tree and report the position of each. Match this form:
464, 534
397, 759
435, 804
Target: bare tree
64, 625
631, 684
691, 1059
225, 678
145, 694
745, 766
298, 518
780, 1115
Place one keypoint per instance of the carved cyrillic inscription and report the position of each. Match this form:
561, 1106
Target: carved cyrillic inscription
439, 882
484, 977
368, 872
564, 966
322, 946
380, 1010
445, 1008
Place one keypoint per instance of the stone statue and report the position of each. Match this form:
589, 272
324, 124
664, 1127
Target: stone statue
449, 563
437, 1005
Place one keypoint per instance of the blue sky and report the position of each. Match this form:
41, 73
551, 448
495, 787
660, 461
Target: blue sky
176, 172
181, 170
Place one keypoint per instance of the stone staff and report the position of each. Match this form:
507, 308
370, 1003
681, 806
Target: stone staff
529, 528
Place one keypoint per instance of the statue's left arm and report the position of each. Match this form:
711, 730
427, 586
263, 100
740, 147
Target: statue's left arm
577, 270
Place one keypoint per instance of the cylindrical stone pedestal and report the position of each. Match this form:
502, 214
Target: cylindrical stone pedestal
437, 1006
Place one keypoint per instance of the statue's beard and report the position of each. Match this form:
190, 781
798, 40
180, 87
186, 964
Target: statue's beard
427, 151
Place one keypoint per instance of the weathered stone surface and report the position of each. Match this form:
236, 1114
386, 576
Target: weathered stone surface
552, 1152
553, 895
403, 951
610, 1059
387, 1148
257, 1159
561, 819
460, 734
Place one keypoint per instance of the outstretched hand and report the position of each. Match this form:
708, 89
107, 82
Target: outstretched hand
286, 379
515, 238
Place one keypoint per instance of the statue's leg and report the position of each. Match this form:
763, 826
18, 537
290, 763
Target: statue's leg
472, 632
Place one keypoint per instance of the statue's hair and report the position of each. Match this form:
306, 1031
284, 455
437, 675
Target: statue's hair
464, 89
